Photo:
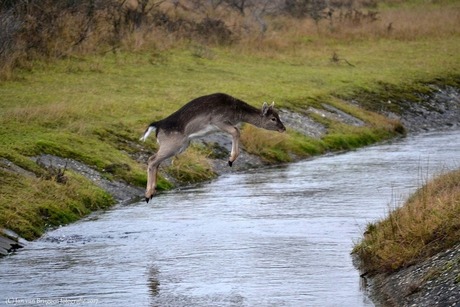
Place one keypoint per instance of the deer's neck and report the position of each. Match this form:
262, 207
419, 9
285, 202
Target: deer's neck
252, 117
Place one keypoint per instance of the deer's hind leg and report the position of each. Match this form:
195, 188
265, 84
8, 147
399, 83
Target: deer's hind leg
152, 170
169, 146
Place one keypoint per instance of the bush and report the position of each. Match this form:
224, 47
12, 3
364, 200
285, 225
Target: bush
49, 29
10, 27
214, 31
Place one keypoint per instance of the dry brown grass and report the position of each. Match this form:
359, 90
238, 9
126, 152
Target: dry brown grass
427, 223
404, 24
53, 32
416, 22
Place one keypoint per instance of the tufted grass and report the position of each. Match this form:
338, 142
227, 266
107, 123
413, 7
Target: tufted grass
426, 224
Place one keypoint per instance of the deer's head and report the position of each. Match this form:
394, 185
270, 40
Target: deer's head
270, 118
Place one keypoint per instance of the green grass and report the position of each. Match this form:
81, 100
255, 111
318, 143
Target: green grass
192, 166
94, 108
32, 205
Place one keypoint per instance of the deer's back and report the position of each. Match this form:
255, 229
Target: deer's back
204, 111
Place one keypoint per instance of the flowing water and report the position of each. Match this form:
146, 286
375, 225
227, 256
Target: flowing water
277, 236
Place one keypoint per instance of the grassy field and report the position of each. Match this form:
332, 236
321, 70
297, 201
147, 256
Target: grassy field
426, 224
94, 107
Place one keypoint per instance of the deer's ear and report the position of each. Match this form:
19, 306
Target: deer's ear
265, 108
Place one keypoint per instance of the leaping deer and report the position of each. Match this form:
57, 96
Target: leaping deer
202, 116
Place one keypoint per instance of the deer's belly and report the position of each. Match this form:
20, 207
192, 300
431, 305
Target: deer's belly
203, 131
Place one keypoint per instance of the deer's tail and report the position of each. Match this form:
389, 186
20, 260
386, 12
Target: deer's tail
149, 130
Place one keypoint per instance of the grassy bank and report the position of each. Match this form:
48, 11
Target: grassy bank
93, 107
425, 225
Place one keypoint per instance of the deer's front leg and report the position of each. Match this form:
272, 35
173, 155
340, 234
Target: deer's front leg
235, 144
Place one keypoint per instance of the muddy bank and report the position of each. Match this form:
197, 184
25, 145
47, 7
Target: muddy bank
433, 282
10, 242
436, 109
439, 109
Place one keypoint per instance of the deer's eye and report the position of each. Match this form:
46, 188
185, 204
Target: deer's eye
273, 119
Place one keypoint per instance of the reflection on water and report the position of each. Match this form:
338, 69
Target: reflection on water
274, 237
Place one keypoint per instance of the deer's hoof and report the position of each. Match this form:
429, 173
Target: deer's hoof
149, 196
147, 199
230, 163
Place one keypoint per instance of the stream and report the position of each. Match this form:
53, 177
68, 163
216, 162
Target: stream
277, 236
